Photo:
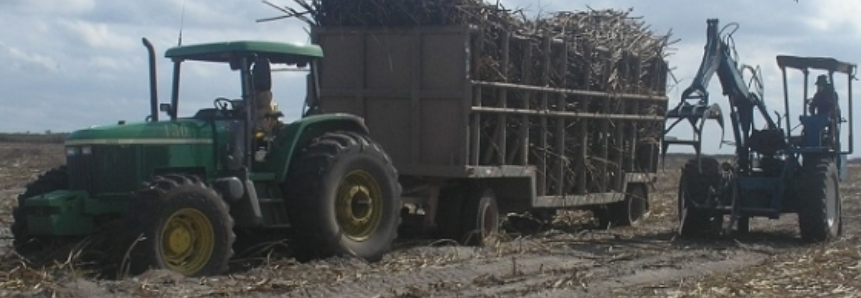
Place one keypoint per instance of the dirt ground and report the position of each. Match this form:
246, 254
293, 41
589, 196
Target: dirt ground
571, 260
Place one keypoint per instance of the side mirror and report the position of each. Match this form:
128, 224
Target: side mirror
167, 108
262, 75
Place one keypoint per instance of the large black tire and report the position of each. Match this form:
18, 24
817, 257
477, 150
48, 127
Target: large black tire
694, 185
25, 244
632, 211
344, 198
820, 215
177, 222
480, 217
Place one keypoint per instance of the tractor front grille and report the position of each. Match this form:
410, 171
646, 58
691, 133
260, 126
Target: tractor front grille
106, 169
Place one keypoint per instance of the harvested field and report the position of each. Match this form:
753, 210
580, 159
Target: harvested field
571, 258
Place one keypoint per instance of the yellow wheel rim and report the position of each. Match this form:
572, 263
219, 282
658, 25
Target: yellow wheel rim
187, 241
359, 205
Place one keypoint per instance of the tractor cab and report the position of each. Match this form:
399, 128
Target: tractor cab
253, 118
821, 117
252, 59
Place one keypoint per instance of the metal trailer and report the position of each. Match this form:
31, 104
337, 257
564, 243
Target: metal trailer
468, 149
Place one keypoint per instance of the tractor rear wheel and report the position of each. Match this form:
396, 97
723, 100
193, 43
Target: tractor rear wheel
25, 244
344, 198
820, 215
177, 223
694, 186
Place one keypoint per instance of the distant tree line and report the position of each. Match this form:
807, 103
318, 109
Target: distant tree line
29, 137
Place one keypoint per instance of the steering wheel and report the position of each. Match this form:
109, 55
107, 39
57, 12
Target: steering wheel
222, 104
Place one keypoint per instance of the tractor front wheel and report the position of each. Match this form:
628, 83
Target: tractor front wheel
344, 198
695, 185
177, 223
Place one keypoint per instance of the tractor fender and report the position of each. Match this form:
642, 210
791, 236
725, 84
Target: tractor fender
299, 133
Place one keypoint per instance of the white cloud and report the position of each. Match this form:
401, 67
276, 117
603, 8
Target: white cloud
98, 35
46, 7
836, 16
23, 61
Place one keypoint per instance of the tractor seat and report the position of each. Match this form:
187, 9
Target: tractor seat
210, 115
274, 115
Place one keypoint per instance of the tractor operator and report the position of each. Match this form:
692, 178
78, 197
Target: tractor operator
267, 112
824, 102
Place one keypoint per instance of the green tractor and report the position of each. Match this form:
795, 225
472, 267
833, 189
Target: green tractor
173, 193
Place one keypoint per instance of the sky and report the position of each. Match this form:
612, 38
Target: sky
81, 63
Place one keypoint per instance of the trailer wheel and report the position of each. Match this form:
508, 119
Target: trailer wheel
177, 223
449, 214
344, 198
694, 185
820, 218
480, 217
743, 225
25, 244
632, 211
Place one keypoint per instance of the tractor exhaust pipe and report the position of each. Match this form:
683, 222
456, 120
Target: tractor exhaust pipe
153, 90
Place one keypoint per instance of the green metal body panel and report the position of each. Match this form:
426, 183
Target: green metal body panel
119, 158
59, 212
103, 204
292, 136
114, 160
183, 131
277, 52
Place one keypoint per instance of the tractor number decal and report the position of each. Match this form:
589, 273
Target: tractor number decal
176, 131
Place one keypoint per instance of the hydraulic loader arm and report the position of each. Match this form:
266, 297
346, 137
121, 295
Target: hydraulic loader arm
718, 58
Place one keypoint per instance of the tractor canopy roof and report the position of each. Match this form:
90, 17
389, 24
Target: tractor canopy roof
825, 63
276, 52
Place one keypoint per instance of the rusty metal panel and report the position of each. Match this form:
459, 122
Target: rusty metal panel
388, 60
390, 126
409, 85
439, 146
342, 105
343, 64
443, 63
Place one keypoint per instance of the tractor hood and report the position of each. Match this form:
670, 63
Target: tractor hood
182, 131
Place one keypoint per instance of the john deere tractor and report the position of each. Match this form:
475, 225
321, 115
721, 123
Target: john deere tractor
173, 192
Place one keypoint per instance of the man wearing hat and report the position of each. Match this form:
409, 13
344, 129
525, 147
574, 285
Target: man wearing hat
824, 103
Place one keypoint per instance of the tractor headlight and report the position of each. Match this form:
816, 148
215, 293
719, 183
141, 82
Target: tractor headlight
71, 151
86, 150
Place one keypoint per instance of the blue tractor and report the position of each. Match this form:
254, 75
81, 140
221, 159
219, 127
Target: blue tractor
775, 169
